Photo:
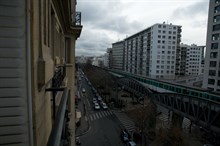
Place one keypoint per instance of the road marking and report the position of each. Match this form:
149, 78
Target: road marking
94, 117
97, 115
91, 118
102, 114
85, 118
88, 102
108, 113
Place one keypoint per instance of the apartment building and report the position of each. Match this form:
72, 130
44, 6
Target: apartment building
212, 65
37, 71
191, 59
106, 60
154, 51
109, 51
118, 55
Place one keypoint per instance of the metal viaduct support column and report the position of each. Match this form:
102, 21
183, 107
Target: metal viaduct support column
177, 120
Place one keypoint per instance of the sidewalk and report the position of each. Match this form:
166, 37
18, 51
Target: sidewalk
84, 126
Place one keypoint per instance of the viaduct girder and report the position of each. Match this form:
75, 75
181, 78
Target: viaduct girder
203, 112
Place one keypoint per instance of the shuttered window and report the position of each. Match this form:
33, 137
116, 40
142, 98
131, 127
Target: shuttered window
13, 93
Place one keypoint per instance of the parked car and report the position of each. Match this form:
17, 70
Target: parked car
99, 98
78, 142
83, 90
94, 100
96, 106
104, 106
124, 136
131, 143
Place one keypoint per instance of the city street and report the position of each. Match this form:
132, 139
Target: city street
104, 128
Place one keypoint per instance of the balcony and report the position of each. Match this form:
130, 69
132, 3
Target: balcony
76, 23
59, 135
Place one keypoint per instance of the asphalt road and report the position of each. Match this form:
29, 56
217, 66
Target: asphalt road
104, 126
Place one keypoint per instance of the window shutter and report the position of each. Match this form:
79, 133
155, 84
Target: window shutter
14, 124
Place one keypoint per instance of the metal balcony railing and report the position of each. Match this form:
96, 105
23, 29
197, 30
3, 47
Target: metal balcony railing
59, 134
59, 74
76, 20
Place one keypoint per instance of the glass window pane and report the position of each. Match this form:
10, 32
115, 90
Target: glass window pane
216, 27
214, 46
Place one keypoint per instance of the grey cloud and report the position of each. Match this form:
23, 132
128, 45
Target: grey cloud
93, 43
199, 8
101, 19
106, 15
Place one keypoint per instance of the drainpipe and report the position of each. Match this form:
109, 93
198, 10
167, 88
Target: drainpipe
29, 91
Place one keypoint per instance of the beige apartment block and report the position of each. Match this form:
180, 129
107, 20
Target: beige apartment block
37, 53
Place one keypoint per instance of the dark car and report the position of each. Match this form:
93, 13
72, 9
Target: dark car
125, 137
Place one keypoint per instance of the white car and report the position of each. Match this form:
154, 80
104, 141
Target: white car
83, 90
94, 100
104, 106
96, 106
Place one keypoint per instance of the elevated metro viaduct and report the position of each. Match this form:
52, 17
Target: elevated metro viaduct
201, 111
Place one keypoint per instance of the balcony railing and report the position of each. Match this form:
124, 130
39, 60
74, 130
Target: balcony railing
76, 20
59, 134
59, 74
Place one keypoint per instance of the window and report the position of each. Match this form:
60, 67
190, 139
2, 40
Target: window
212, 63
215, 37
159, 36
216, 27
174, 37
164, 36
216, 18
159, 26
170, 32
164, 31
213, 54
163, 42
159, 31
164, 26
214, 46
174, 32
218, 83
158, 66
211, 81
174, 42
174, 27
212, 72
158, 41
163, 47
163, 52
158, 61
217, 9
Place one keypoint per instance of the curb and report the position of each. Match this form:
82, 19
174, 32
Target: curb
87, 130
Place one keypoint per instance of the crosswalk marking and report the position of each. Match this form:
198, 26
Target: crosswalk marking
125, 120
91, 118
102, 114
94, 117
99, 115
105, 113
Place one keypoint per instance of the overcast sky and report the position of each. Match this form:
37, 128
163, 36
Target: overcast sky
108, 21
